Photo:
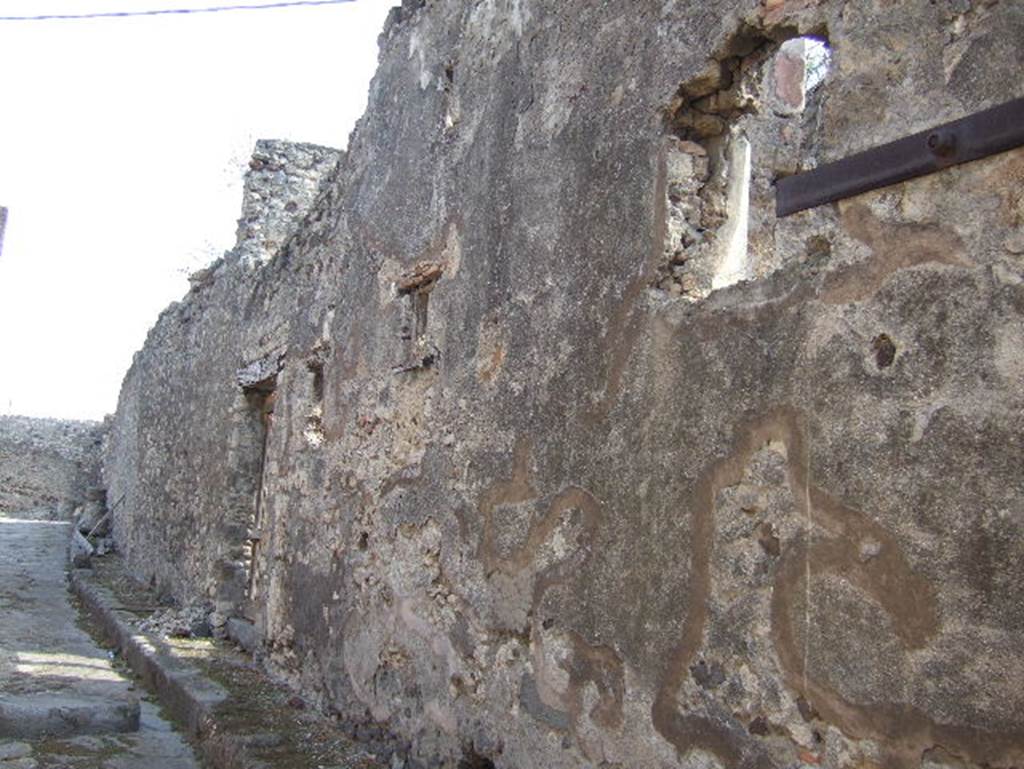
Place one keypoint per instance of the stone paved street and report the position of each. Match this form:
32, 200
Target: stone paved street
62, 702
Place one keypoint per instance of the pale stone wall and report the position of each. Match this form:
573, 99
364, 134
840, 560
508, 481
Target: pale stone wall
47, 464
553, 447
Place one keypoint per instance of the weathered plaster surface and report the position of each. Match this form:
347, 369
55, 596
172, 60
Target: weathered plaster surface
531, 493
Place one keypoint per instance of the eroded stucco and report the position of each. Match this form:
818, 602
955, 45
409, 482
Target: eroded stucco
516, 488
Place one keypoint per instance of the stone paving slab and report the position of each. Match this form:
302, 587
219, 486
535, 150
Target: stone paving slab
156, 745
64, 704
60, 715
53, 677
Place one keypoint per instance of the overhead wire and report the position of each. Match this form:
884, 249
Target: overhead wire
173, 11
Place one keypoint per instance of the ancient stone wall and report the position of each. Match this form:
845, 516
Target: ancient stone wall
282, 181
47, 464
186, 444
543, 442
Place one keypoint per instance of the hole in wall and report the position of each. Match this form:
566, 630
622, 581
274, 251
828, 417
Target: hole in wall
313, 431
818, 61
246, 467
316, 368
817, 248
473, 760
724, 127
768, 538
885, 350
414, 289
807, 711
260, 398
759, 726
799, 68
416, 285
420, 304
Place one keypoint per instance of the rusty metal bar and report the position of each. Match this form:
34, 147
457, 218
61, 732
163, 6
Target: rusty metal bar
976, 136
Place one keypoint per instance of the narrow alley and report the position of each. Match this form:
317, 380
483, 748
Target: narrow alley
63, 704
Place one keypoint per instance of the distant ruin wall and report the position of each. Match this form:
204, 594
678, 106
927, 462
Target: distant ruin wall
47, 464
542, 441
181, 397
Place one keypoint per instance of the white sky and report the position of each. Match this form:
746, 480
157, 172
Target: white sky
122, 143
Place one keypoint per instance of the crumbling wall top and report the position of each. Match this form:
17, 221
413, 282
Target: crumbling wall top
281, 185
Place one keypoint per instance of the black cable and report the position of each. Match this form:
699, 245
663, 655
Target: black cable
170, 11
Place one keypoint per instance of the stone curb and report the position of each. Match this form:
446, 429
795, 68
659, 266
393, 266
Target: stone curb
189, 697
